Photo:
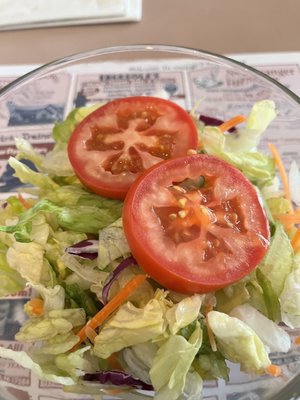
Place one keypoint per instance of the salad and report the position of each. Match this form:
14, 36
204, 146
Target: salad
159, 245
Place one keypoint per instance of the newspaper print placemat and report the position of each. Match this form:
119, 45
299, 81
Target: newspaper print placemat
50, 99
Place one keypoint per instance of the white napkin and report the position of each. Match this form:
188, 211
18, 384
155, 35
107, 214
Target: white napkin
16, 14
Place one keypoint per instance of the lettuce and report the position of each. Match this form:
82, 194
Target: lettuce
272, 335
130, 326
246, 139
172, 363
238, 342
183, 313
23, 256
290, 299
46, 370
84, 219
112, 244
257, 167
11, 280
27, 175
62, 130
53, 298
279, 260
53, 323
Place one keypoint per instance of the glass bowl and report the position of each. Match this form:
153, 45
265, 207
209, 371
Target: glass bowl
208, 83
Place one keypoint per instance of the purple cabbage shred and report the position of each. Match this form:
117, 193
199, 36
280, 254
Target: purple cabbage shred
118, 378
87, 249
114, 275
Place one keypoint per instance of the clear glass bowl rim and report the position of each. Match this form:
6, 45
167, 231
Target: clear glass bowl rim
150, 48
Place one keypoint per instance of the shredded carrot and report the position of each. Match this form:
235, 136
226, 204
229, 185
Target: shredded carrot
91, 334
114, 362
297, 340
23, 201
282, 172
232, 122
273, 370
111, 306
296, 243
35, 306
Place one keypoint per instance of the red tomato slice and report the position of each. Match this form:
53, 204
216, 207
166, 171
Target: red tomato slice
123, 138
195, 224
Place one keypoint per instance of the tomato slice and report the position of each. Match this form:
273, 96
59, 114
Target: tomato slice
117, 142
195, 224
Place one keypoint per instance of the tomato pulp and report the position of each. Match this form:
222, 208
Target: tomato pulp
113, 145
195, 224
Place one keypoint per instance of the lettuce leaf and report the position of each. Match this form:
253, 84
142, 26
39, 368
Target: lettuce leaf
84, 219
238, 342
272, 335
130, 326
11, 280
290, 299
279, 260
53, 323
257, 167
172, 363
43, 371
183, 313
246, 139
112, 244
23, 256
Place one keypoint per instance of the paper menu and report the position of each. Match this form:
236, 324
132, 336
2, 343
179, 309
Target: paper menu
21, 14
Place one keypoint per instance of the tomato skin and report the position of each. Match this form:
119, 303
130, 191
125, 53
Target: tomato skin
114, 144
175, 272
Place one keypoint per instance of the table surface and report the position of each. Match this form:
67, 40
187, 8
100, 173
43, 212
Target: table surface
221, 26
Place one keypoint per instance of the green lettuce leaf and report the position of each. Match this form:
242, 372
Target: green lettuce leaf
279, 260
172, 363
74, 364
11, 280
62, 130
238, 342
53, 323
131, 325
28, 259
290, 299
53, 297
246, 139
45, 371
84, 219
29, 176
183, 313
257, 167
272, 335
112, 244
61, 343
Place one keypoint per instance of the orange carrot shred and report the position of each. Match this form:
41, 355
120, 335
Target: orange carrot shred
232, 122
114, 362
273, 370
296, 243
297, 340
111, 306
23, 201
282, 171
35, 306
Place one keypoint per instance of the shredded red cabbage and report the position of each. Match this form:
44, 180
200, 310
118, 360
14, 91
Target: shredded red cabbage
115, 273
87, 249
211, 121
117, 378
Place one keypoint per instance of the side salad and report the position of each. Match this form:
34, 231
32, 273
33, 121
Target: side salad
159, 245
